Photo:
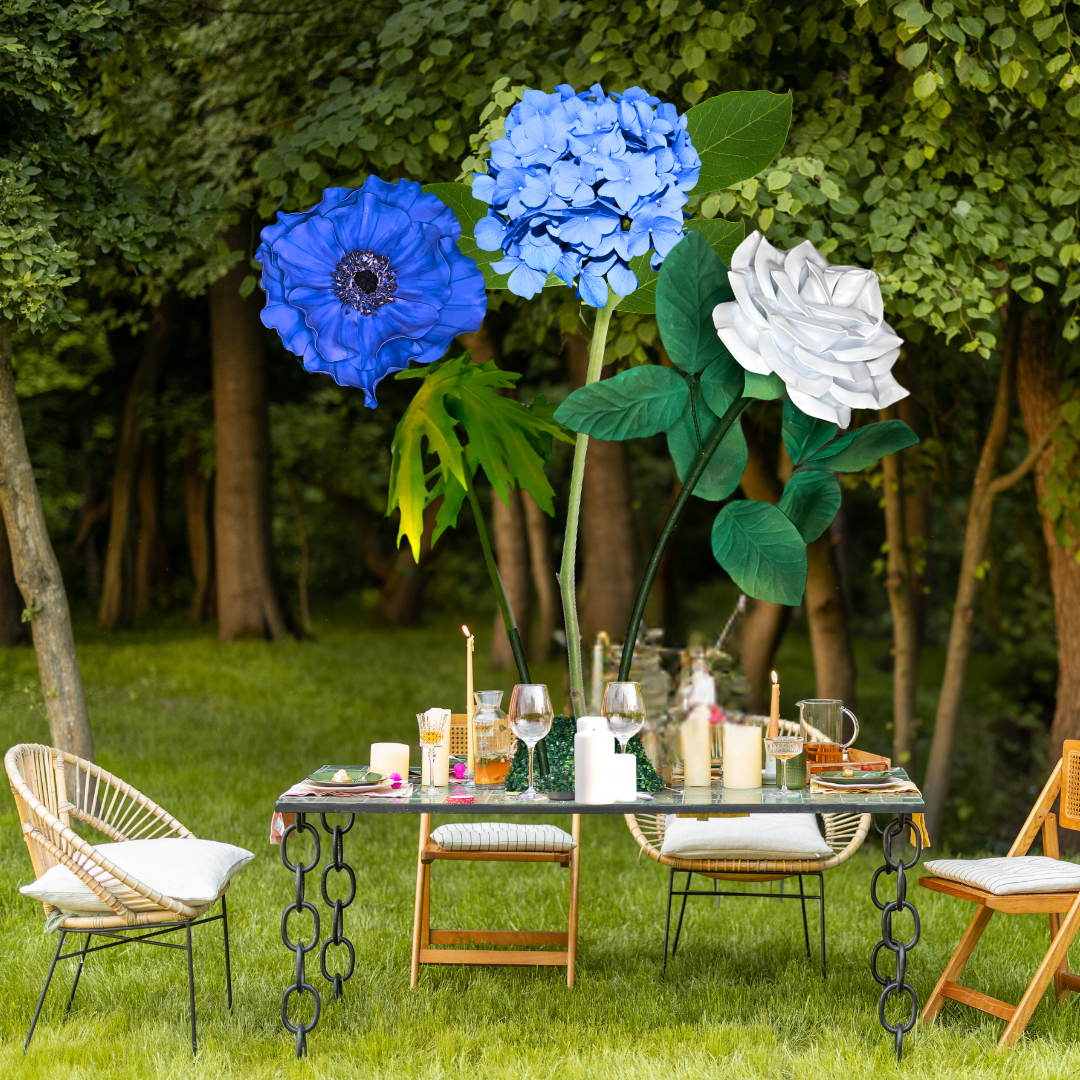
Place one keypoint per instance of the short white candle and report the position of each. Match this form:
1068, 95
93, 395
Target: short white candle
742, 756
625, 766
389, 758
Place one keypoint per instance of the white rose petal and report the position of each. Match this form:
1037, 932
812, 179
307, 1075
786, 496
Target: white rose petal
821, 328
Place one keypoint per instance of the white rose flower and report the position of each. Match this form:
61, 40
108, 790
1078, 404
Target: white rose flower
821, 328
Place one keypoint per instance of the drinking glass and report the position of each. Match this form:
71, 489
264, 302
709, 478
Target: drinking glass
624, 710
782, 748
530, 720
432, 726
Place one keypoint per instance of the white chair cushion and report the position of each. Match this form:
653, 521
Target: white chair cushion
1003, 877
192, 871
755, 836
501, 836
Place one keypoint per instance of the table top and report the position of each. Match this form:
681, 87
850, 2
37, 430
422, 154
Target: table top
710, 800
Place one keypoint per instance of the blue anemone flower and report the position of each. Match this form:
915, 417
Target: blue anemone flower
368, 280
580, 184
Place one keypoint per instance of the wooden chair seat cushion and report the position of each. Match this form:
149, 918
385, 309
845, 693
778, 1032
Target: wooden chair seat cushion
1010, 876
502, 836
749, 837
195, 872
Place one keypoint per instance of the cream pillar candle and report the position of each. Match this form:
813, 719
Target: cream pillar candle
390, 757
742, 756
594, 761
696, 739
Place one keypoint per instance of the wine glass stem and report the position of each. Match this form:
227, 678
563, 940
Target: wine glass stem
531, 749
431, 769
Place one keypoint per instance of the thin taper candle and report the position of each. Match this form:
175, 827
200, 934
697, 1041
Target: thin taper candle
774, 710
470, 643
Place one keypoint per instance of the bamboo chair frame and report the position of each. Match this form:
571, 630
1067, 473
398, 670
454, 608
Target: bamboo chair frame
528, 955
1062, 908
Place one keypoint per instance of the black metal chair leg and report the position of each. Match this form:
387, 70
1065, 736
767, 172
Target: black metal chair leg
191, 990
667, 922
75, 984
682, 912
45, 989
805, 928
821, 905
228, 968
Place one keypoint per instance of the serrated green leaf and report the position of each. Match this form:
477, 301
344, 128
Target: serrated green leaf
635, 404
767, 387
468, 211
762, 551
724, 471
692, 282
804, 435
737, 135
862, 447
453, 497
810, 502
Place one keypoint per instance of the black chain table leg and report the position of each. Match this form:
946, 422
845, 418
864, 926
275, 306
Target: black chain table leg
899, 826
337, 932
300, 948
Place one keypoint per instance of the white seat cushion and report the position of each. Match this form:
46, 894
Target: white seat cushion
755, 836
1004, 877
501, 836
192, 871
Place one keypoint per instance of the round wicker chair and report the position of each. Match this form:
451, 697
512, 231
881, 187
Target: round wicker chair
844, 833
39, 777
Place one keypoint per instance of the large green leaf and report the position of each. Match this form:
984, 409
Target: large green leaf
762, 551
639, 402
737, 135
724, 471
863, 446
722, 382
692, 282
804, 435
810, 501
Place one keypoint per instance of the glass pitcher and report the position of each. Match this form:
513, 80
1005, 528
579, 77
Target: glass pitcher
821, 724
495, 743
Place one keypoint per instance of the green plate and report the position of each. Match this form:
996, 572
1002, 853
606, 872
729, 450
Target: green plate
359, 776
837, 777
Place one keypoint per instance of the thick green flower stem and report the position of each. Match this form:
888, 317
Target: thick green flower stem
715, 439
567, 572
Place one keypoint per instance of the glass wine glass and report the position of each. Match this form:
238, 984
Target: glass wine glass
432, 726
530, 720
782, 748
624, 710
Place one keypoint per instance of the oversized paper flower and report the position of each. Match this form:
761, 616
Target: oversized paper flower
368, 280
821, 328
582, 183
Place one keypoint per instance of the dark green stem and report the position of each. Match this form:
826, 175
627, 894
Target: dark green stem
707, 451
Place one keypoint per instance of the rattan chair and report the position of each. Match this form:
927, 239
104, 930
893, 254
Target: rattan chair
844, 833
39, 781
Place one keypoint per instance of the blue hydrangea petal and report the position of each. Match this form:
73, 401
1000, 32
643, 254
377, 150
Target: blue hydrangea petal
592, 289
483, 187
489, 233
622, 279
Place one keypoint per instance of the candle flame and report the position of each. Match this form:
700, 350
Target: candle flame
465, 631
774, 678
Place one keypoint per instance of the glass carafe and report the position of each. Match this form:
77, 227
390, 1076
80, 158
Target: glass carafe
495, 743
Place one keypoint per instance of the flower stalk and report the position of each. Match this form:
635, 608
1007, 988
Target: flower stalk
567, 571
732, 414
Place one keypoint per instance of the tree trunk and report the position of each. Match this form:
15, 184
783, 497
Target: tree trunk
11, 605
118, 590
834, 662
200, 535
543, 576
916, 519
151, 553
401, 602
90, 560
249, 605
512, 556
902, 605
37, 575
1037, 384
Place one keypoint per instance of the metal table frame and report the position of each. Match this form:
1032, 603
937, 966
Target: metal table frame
898, 807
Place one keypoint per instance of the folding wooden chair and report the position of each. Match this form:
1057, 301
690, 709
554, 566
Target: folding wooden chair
424, 937
1063, 909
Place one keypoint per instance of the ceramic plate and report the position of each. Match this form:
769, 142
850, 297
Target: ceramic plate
837, 777
360, 776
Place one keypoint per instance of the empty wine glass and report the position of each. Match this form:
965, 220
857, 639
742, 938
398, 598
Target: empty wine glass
624, 710
530, 720
432, 726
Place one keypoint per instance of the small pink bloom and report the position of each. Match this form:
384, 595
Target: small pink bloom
396, 777
459, 770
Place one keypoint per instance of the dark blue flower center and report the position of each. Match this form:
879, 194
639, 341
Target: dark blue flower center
364, 282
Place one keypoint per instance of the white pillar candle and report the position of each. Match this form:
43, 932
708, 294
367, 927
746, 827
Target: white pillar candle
594, 757
390, 757
442, 763
625, 776
742, 756
696, 740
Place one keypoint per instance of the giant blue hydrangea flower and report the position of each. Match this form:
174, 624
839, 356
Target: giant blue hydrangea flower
581, 184
368, 280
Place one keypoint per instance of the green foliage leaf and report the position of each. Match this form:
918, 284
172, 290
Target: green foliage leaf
862, 447
811, 500
468, 211
737, 135
804, 435
761, 550
635, 404
767, 387
722, 382
692, 282
724, 471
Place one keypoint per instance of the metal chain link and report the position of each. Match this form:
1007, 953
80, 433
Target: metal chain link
300, 948
898, 985
337, 932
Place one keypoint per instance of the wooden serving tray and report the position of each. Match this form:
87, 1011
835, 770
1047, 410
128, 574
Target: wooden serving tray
853, 758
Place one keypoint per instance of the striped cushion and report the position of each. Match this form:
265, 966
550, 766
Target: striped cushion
501, 836
1003, 877
784, 837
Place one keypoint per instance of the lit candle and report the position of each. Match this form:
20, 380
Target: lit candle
470, 727
774, 710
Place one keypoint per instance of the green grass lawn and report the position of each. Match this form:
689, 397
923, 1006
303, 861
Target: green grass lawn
214, 732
